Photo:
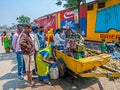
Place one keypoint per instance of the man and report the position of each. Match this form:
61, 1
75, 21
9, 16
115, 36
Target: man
28, 51
36, 43
41, 37
63, 36
57, 39
17, 49
34, 37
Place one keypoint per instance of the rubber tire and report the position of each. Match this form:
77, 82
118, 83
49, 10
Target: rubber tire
62, 72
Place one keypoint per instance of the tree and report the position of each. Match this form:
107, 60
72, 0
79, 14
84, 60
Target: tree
74, 4
13, 27
23, 19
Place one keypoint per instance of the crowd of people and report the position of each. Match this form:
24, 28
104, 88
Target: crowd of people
29, 43
32, 53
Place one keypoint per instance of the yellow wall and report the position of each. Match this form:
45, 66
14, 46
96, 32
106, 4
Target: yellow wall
91, 22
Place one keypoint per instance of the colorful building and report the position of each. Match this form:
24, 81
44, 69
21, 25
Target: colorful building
103, 21
64, 18
97, 20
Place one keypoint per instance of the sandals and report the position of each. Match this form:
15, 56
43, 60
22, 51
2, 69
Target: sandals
31, 85
47, 82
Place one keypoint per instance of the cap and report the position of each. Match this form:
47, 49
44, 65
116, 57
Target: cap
34, 27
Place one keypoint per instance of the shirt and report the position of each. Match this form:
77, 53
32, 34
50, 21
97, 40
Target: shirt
11, 38
58, 39
103, 46
26, 43
35, 40
16, 42
41, 39
40, 36
63, 36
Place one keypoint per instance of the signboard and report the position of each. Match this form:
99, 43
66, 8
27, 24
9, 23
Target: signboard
66, 14
48, 22
72, 25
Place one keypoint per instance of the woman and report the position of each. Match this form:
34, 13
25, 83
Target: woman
6, 41
50, 37
42, 61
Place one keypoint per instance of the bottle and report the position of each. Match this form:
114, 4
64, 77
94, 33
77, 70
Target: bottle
54, 73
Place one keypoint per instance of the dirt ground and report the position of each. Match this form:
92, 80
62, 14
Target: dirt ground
9, 80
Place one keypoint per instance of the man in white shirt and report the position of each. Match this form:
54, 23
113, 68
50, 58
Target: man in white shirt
34, 37
57, 39
36, 43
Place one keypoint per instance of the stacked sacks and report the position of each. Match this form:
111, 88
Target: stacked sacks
79, 51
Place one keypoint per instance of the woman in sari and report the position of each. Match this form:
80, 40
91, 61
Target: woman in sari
42, 62
6, 41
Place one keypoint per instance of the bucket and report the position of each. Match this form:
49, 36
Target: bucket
54, 73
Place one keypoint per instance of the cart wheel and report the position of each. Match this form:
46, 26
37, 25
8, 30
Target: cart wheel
62, 68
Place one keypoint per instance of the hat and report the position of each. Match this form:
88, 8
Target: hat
34, 27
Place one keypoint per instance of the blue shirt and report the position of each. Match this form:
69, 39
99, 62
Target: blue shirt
40, 35
41, 39
46, 53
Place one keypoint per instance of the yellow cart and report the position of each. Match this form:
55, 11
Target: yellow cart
93, 66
